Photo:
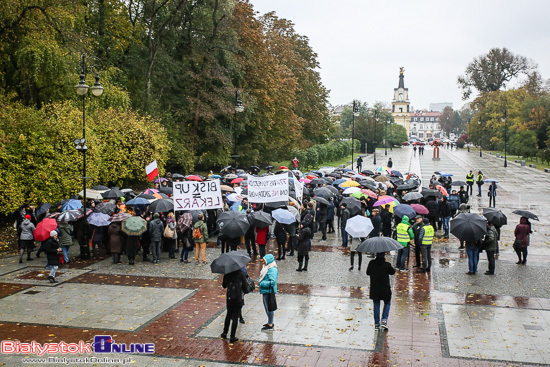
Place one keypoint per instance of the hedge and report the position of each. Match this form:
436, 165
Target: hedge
316, 155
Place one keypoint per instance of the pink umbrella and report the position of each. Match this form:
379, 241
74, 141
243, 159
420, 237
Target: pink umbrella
193, 178
420, 209
306, 180
369, 193
237, 180
151, 191
442, 190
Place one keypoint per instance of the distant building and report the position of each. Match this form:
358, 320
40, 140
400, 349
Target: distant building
401, 104
425, 125
337, 111
439, 107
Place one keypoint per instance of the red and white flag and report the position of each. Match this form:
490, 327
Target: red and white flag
152, 171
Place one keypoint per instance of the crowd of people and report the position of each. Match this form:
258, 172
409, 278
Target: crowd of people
330, 201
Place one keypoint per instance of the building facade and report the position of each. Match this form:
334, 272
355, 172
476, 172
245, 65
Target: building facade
425, 125
401, 104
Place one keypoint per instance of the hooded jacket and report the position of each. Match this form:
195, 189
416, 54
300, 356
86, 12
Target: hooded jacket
403, 230
65, 234
522, 231
155, 229
27, 229
491, 239
269, 282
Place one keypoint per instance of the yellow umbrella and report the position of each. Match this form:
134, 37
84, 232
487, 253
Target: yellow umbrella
349, 184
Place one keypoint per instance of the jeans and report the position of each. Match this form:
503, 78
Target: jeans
426, 256
155, 250
446, 226
250, 243
473, 258
402, 257
470, 189
184, 252
344, 237
323, 229
269, 313
493, 201
65, 253
376, 311
523, 252
53, 270
491, 260
479, 189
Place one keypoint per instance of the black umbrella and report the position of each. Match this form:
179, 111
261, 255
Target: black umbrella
262, 219
317, 181
412, 196
396, 181
332, 189
161, 206
268, 167
233, 224
379, 244
458, 183
369, 184
321, 200
352, 204
276, 204
335, 175
327, 180
406, 187
367, 172
526, 214
42, 209
495, 216
105, 208
404, 209
254, 169
430, 192
177, 175
323, 192
100, 188
230, 262
166, 190
146, 196
112, 194
469, 227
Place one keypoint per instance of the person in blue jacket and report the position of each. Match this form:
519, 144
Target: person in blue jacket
268, 284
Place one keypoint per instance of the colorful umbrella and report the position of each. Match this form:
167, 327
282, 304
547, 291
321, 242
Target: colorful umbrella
382, 169
383, 200
134, 226
369, 193
159, 180
138, 201
349, 183
305, 180
193, 178
150, 191
119, 217
43, 229
237, 180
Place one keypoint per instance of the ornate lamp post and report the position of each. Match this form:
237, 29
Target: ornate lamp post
505, 138
239, 107
376, 118
480, 148
355, 114
82, 90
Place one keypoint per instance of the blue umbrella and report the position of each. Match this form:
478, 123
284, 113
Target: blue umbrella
404, 209
214, 176
283, 216
99, 219
138, 201
490, 180
338, 182
71, 204
444, 174
397, 173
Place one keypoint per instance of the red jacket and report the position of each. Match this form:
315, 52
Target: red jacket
522, 231
261, 235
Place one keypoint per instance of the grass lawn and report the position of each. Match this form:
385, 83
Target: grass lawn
540, 165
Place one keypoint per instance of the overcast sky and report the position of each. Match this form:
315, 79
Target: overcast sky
362, 43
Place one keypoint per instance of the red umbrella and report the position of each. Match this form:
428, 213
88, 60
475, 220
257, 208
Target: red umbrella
193, 178
43, 229
283, 167
311, 177
420, 209
237, 180
442, 190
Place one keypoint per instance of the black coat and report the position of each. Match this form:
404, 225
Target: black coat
377, 224
236, 277
50, 247
379, 271
445, 209
279, 232
433, 208
386, 222
303, 241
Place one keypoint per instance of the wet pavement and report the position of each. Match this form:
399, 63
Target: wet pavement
442, 318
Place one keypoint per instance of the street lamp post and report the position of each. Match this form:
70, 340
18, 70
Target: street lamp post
376, 118
82, 90
239, 107
505, 138
355, 114
386, 138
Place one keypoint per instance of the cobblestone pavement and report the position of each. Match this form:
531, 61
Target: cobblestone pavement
444, 318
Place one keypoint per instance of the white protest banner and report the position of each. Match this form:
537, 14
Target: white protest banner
299, 187
268, 189
192, 195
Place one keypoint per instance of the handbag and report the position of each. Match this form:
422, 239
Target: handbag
168, 232
271, 301
249, 286
518, 244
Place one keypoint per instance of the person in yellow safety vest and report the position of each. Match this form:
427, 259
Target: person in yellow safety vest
479, 182
470, 182
426, 238
404, 236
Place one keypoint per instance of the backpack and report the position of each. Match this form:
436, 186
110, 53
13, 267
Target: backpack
197, 234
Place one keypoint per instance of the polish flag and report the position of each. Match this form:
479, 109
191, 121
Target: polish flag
152, 171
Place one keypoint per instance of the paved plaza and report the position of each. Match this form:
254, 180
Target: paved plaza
442, 318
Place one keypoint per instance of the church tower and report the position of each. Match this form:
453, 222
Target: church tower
401, 104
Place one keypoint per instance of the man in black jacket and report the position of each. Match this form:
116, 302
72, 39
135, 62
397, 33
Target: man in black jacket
343, 220
445, 212
416, 227
386, 221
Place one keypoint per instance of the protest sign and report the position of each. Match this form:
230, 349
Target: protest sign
299, 187
192, 195
268, 189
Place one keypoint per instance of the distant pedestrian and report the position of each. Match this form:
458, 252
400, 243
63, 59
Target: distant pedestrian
267, 283
490, 244
379, 271
295, 163
155, 229
359, 164
492, 194
26, 238
522, 238
200, 236
304, 244
472, 250
235, 283
404, 236
426, 238
390, 163
479, 182
470, 182
52, 250
345, 215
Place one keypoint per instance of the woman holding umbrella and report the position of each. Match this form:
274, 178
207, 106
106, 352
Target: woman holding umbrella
522, 232
379, 271
235, 283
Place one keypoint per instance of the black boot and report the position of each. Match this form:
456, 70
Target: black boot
305, 266
299, 266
